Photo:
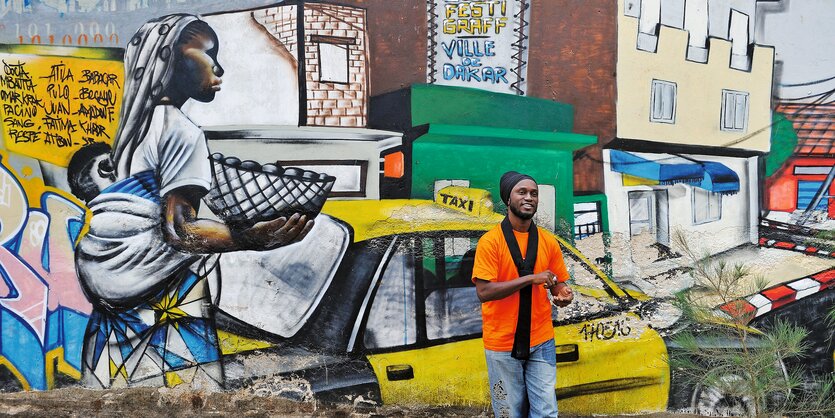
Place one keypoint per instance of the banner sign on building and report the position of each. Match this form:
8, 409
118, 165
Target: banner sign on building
479, 44
54, 100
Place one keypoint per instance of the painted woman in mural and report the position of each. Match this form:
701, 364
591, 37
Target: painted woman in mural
142, 262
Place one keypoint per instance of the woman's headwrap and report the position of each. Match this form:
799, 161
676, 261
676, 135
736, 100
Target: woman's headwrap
149, 68
510, 179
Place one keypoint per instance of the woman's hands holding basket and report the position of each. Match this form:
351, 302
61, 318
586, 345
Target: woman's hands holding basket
267, 235
265, 206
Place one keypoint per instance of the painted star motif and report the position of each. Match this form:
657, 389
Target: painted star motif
168, 310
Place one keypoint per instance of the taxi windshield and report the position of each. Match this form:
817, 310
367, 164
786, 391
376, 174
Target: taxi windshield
426, 292
594, 291
277, 290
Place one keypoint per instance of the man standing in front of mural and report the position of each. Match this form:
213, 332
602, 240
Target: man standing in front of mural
140, 261
516, 265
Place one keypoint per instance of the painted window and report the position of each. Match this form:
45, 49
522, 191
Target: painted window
280, 289
586, 219
391, 321
333, 61
663, 102
452, 305
447, 299
707, 206
806, 191
351, 175
734, 111
812, 170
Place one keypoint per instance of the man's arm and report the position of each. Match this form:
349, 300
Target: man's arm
488, 290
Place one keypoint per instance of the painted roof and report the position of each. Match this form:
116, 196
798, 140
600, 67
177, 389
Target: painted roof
376, 218
815, 127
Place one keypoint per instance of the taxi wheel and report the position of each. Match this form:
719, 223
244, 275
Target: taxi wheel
710, 400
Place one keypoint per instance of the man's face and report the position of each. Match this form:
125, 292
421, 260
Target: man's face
524, 199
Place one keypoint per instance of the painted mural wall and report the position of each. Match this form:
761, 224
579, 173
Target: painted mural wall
286, 196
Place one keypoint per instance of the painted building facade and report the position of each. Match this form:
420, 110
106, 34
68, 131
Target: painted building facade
687, 103
794, 186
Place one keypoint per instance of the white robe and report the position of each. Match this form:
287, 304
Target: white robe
124, 258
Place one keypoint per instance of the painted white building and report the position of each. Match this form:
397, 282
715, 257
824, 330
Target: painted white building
719, 210
693, 118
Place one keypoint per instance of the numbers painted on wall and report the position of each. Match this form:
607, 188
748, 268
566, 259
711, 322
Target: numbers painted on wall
605, 330
82, 34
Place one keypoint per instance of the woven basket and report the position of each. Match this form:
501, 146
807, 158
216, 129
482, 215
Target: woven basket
245, 192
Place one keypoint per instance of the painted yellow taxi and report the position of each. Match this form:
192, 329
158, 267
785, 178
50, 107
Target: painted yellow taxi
421, 327
396, 320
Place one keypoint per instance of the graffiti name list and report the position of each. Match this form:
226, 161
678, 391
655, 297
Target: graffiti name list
476, 44
20, 102
51, 106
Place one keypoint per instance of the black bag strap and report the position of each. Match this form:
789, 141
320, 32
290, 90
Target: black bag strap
524, 266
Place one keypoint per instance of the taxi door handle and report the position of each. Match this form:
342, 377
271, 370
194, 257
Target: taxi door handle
400, 372
567, 353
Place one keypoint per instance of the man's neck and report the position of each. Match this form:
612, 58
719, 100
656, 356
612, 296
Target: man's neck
518, 224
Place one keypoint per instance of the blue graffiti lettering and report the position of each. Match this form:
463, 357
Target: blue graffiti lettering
492, 75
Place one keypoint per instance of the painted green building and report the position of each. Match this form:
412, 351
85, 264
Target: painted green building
473, 135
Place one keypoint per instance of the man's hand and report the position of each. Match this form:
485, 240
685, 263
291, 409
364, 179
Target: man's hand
545, 278
276, 233
562, 295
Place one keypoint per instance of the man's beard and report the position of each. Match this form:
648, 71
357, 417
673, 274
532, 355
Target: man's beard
520, 214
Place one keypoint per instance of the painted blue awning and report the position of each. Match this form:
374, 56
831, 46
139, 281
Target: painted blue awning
709, 175
664, 173
719, 178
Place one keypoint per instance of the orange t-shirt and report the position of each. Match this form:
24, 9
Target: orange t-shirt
494, 263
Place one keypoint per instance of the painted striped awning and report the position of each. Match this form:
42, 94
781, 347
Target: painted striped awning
667, 169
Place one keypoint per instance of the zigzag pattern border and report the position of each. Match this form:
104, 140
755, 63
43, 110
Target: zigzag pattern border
520, 45
432, 43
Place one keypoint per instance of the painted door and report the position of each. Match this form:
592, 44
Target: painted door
662, 217
425, 322
641, 212
609, 361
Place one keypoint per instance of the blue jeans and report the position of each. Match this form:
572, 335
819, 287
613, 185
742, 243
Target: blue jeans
523, 388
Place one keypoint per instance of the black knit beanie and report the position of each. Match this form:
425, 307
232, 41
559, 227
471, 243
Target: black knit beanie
510, 179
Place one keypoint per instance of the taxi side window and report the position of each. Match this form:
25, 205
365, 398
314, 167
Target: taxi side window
391, 321
451, 304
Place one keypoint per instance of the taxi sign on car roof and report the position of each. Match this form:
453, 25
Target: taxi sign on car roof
376, 218
465, 199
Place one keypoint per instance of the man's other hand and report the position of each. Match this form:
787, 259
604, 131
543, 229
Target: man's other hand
562, 295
